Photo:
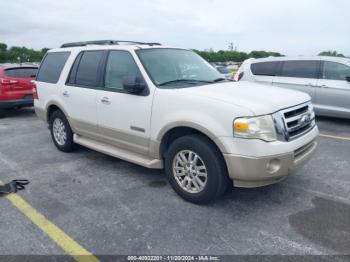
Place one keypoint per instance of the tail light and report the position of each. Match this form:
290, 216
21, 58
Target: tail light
241, 74
5, 81
35, 90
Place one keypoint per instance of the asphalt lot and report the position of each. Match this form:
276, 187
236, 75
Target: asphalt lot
110, 206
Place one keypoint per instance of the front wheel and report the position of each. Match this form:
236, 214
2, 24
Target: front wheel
61, 132
195, 169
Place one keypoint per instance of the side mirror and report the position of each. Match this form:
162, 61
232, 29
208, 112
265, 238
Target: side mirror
347, 78
134, 85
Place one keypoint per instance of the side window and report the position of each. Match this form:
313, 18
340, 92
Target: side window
265, 68
88, 70
52, 66
120, 64
335, 71
73, 72
302, 69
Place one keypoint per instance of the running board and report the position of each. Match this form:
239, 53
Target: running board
119, 152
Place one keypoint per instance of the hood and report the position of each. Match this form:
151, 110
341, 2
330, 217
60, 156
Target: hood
259, 98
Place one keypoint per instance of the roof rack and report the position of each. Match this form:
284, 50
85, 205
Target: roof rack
106, 42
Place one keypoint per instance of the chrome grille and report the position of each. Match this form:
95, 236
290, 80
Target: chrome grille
294, 122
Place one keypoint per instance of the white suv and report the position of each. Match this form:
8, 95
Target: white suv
163, 107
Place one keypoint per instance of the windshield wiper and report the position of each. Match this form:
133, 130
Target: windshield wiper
183, 80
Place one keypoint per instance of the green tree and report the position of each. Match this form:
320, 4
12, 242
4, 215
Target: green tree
44, 51
231, 55
262, 54
17, 54
331, 53
3, 52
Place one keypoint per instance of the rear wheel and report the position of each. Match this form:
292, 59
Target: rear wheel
61, 132
195, 169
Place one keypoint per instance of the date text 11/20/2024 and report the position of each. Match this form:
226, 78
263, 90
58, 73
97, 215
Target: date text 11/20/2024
173, 258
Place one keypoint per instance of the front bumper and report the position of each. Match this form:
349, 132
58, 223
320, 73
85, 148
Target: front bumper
6, 104
247, 171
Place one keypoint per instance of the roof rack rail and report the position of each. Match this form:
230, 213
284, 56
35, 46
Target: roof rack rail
106, 42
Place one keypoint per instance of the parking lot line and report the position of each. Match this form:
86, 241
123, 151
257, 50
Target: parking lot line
335, 137
64, 241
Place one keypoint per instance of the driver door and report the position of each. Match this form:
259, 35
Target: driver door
123, 118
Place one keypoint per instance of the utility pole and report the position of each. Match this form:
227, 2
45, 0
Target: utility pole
230, 46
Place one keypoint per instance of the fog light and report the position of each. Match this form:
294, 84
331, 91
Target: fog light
273, 165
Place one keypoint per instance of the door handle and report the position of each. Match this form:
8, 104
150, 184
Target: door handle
65, 94
322, 86
105, 100
311, 85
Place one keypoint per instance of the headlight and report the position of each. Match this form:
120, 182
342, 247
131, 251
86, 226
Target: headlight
261, 127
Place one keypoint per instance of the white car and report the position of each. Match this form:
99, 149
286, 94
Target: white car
325, 79
162, 107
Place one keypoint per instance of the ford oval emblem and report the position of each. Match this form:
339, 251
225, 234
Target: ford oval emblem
305, 119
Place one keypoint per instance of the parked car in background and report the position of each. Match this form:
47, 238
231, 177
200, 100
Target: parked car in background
325, 79
233, 66
164, 107
224, 71
16, 86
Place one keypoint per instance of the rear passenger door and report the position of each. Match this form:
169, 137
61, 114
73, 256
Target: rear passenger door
79, 93
300, 75
123, 118
333, 92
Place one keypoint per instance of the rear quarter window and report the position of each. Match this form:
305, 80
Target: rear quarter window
265, 68
52, 66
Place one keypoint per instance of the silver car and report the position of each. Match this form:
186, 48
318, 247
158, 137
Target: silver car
325, 79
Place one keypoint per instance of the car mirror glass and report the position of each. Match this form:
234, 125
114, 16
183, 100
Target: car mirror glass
133, 84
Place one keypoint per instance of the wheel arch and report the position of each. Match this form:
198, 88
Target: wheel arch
171, 132
52, 107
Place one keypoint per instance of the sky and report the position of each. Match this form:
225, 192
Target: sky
291, 27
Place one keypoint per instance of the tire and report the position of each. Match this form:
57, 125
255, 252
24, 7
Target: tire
63, 140
181, 178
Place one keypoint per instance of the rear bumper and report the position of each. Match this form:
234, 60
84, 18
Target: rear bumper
6, 104
41, 113
261, 171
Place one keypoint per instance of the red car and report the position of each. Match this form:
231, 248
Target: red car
16, 86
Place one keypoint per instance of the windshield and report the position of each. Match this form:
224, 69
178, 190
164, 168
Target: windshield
177, 67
